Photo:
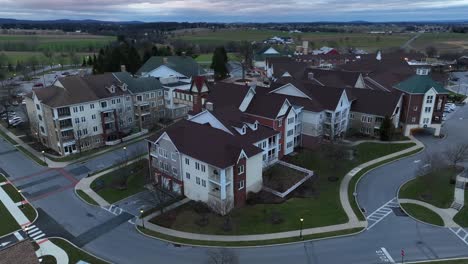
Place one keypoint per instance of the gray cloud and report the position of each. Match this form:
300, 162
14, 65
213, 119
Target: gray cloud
240, 10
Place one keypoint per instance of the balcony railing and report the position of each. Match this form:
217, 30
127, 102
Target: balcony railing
109, 119
215, 178
270, 160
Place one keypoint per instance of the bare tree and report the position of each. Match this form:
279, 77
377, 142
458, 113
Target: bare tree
221, 207
222, 256
457, 154
157, 197
7, 91
430, 162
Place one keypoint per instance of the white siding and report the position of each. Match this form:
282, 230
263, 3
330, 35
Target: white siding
163, 72
427, 116
254, 178
312, 123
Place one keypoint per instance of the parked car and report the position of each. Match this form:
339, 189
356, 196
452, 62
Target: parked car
10, 114
16, 123
451, 105
38, 85
14, 119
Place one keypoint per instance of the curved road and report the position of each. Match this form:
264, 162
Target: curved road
113, 238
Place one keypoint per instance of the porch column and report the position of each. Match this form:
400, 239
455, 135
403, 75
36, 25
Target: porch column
222, 179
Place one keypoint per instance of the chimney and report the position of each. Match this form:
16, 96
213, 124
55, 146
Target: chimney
310, 75
123, 68
379, 56
209, 106
165, 60
305, 47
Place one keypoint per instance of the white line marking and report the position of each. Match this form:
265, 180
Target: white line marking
388, 255
417, 161
18, 236
32, 230
36, 238
455, 232
458, 231
464, 238
35, 233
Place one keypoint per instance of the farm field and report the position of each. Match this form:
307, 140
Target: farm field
55, 43
342, 40
444, 42
24, 56
205, 58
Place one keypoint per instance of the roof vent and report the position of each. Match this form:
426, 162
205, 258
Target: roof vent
209, 106
310, 75
379, 56
165, 60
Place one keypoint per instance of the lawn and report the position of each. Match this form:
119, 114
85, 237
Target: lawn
9, 223
207, 57
281, 178
433, 188
75, 254
25, 56
27, 209
423, 214
110, 187
316, 201
85, 197
177, 240
462, 217
317, 39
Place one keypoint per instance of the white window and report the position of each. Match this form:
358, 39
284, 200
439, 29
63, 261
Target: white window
197, 165
187, 161
83, 119
77, 120
85, 131
113, 101
166, 154
203, 183
203, 168
240, 169
174, 156
290, 132
289, 144
439, 104
280, 122
426, 121
413, 119
78, 133
104, 104
351, 115
427, 109
75, 109
81, 108
241, 184
118, 100
95, 129
160, 93
197, 180
161, 102
415, 108
290, 120
174, 170
187, 175
429, 99
91, 106
153, 95
127, 98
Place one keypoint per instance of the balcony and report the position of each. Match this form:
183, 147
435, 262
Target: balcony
269, 161
63, 113
109, 119
67, 139
142, 110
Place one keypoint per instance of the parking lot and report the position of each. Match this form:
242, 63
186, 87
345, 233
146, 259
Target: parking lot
459, 82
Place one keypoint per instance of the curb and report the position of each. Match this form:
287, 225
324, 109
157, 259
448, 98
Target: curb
257, 246
91, 254
83, 200
381, 165
412, 217
436, 260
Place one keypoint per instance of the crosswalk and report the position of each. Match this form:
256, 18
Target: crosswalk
460, 233
34, 232
379, 214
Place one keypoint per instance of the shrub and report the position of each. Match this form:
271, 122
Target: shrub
202, 221
201, 208
227, 224
276, 218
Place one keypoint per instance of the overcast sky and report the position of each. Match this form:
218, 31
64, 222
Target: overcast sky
236, 10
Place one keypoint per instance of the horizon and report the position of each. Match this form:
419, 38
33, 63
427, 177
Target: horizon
221, 11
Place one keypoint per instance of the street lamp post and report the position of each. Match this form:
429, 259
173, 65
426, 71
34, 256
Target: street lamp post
300, 233
141, 217
125, 154
22, 204
43, 156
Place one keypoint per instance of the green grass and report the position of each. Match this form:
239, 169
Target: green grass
75, 254
137, 172
207, 57
29, 212
456, 261
13, 193
319, 39
433, 188
423, 214
322, 209
26, 56
355, 179
444, 42
31, 156
48, 259
7, 138
177, 240
462, 217
8, 223
85, 197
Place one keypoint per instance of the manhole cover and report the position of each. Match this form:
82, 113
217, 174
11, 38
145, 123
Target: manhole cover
398, 211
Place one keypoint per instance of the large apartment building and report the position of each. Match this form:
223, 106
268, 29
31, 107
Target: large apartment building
81, 113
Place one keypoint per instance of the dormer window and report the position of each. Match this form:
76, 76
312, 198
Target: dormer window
255, 126
243, 130
422, 71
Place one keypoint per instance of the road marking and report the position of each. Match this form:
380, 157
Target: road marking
426, 165
463, 235
18, 236
387, 255
417, 161
382, 212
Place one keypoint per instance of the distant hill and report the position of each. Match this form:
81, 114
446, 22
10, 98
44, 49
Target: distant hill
64, 21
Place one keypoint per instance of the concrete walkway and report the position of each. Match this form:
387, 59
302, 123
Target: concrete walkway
344, 198
11, 206
49, 248
355, 143
85, 184
446, 214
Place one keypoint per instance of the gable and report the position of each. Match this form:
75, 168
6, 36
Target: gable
271, 50
247, 99
163, 72
291, 90
343, 103
206, 117
166, 142
284, 108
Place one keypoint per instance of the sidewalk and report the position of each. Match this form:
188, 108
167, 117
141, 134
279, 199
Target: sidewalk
446, 214
85, 184
355, 143
352, 223
344, 198
49, 248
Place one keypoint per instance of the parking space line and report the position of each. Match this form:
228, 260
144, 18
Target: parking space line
388, 255
462, 236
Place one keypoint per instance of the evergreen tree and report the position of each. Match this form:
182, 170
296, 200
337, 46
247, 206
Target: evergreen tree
218, 63
387, 129
154, 51
90, 61
83, 64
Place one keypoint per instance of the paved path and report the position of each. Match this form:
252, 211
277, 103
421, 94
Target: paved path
407, 44
12, 207
355, 143
49, 248
446, 214
344, 187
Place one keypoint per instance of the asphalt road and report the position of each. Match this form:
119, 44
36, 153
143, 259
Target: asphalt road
112, 236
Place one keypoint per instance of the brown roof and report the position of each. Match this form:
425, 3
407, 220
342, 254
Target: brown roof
223, 94
208, 144
77, 89
373, 102
19, 253
332, 78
